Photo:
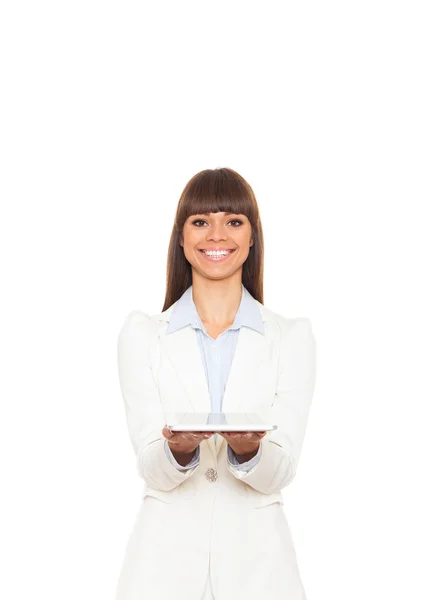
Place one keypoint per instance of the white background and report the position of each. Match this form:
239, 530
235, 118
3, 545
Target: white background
107, 109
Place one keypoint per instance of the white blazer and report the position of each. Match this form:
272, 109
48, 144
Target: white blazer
213, 516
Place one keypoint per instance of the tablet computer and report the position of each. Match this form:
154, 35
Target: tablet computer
216, 422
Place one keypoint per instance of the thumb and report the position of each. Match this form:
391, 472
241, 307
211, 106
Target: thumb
167, 433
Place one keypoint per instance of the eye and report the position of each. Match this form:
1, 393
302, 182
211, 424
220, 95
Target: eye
195, 221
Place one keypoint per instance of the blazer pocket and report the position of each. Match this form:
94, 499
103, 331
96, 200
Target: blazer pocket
259, 500
166, 497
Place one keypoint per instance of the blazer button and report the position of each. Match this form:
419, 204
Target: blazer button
211, 475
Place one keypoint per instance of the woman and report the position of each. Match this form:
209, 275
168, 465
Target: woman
211, 523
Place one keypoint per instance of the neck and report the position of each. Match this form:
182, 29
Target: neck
217, 300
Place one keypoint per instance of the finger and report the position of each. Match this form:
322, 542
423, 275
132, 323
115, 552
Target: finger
167, 433
194, 436
203, 434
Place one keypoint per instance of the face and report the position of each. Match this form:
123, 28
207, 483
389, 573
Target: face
203, 235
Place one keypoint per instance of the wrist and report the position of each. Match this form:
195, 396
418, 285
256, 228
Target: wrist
242, 457
183, 458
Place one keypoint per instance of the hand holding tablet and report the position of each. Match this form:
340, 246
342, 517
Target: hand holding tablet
242, 431
184, 443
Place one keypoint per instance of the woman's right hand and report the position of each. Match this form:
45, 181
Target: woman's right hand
185, 442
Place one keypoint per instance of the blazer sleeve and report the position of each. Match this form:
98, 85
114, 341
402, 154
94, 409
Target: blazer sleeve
281, 448
143, 407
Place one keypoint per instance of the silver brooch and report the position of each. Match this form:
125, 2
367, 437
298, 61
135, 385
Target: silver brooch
211, 475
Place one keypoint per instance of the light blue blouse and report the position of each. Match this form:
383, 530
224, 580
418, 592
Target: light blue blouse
217, 356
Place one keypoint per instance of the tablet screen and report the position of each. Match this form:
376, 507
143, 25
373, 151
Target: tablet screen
217, 422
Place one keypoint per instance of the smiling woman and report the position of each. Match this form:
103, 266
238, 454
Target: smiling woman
211, 524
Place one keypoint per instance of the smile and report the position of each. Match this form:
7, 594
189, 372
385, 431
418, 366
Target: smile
216, 256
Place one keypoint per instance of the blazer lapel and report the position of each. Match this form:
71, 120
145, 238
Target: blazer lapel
183, 352
243, 381
243, 375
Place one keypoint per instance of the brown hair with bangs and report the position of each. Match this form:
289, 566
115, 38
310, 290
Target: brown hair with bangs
211, 191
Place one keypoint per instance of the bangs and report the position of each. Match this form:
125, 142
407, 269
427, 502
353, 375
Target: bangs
219, 190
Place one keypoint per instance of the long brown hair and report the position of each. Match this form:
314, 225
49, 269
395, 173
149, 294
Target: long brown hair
214, 190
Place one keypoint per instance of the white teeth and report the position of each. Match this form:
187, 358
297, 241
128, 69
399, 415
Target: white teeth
213, 253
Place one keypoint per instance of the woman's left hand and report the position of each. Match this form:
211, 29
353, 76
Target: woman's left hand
243, 442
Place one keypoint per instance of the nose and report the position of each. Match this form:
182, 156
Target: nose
217, 232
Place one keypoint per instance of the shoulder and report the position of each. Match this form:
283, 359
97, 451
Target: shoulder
136, 341
286, 326
136, 320
143, 325
138, 328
